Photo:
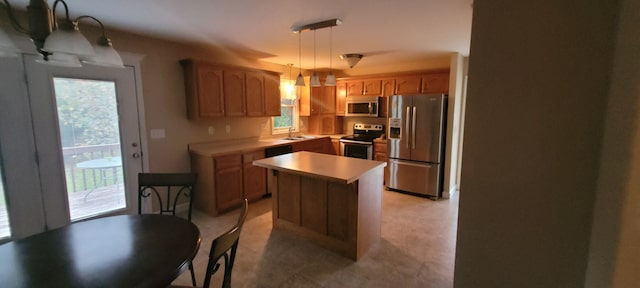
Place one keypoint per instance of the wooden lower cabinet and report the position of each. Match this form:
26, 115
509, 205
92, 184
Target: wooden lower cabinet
336, 146
219, 185
255, 178
228, 179
380, 154
342, 217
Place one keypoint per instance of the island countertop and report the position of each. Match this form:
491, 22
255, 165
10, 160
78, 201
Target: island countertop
329, 167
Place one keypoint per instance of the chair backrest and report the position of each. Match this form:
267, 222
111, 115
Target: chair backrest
168, 189
225, 246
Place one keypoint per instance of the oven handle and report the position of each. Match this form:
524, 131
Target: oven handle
355, 142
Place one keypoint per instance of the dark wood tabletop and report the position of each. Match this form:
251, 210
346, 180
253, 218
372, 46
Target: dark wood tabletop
118, 251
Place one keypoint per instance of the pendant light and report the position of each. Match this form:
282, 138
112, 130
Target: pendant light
331, 79
289, 87
300, 79
315, 80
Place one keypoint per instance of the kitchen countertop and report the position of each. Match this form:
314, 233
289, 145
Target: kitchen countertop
211, 149
329, 167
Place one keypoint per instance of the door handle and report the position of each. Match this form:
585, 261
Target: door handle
406, 126
413, 127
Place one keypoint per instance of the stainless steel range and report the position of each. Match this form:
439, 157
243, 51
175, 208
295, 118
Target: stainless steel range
360, 144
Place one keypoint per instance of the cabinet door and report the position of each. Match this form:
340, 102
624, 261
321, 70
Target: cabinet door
203, 83
335, 143
408, 85
234, 93
341, 98
272, 95
328, 100
388, 89
255, 178
254, 94
228, 178
355, 88
315, 97
305, 99
372, 88
436, 83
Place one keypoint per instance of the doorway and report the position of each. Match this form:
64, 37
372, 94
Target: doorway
85, 134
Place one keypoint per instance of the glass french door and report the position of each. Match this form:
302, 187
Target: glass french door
51, 130
86, 123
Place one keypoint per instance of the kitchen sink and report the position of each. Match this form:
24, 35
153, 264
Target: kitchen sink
298, 137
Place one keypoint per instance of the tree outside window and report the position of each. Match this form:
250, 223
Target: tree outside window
288, 116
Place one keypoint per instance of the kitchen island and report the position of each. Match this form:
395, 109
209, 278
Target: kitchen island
330, 200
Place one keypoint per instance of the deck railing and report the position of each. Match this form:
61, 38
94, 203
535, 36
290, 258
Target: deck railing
79, 179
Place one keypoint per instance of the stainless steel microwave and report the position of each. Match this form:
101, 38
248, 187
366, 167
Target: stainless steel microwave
362, 106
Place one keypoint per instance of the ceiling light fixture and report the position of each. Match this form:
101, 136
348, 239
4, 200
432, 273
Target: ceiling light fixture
352, 58
60, 42
315, 80
331, 79
289, 88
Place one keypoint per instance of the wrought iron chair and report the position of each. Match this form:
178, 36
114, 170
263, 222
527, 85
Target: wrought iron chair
225, 246
168, 189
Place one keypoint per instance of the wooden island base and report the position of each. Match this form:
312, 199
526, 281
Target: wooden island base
340, 214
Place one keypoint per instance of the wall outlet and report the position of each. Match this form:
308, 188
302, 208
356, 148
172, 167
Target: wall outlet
211, 130
228, 128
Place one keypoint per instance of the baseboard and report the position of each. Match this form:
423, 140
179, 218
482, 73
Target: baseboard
451, 192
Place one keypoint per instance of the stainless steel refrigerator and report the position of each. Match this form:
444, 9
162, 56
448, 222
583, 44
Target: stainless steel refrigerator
415, 143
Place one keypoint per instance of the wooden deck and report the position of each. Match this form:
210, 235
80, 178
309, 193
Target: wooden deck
98, 200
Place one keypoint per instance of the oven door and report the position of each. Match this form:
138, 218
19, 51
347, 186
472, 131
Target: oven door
355, 149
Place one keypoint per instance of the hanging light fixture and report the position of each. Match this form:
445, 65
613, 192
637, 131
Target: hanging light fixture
289, 87
331, 79
60, 42
300, 79
315, 80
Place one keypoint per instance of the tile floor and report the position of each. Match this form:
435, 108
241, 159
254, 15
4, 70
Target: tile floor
416, 250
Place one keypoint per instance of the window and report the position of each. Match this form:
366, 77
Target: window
288, 110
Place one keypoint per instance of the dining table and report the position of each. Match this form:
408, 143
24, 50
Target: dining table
146, 250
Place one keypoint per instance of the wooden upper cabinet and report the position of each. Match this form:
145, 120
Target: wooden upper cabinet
304, 103
341, 98
408, 84
370, 87
234, 93
203, 84
323, 100
388, 89
354, 88
435, 83
271, 95
215, 90
254, 93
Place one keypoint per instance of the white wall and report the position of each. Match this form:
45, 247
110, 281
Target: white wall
454, 116
538, 87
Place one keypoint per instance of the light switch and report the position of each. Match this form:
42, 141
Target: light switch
211, 131
228, 128
157, 134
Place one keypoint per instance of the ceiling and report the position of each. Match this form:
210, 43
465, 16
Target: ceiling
386, 32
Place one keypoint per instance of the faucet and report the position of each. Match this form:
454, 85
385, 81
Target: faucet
290, 130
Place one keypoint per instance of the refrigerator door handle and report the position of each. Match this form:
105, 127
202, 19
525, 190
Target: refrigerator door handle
413, 128
406, 128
